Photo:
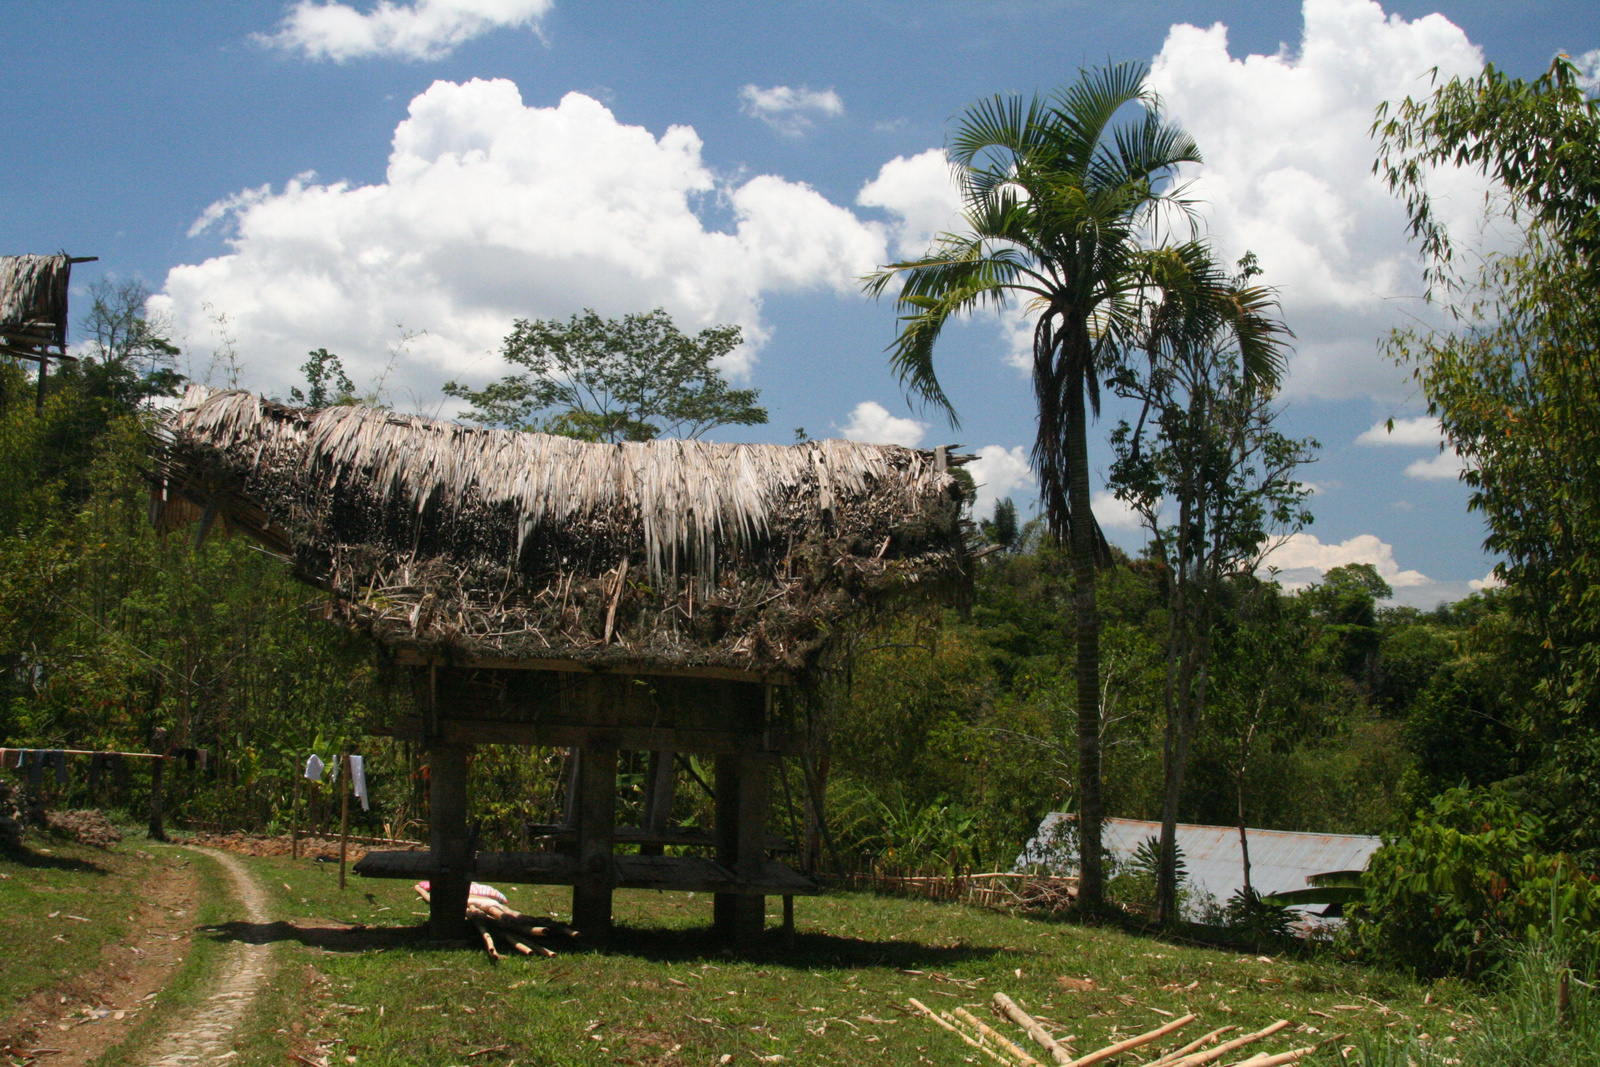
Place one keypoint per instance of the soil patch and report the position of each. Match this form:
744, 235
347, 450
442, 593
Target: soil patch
324, 848
80, 1018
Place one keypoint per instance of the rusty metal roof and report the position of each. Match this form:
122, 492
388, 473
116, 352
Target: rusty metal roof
1280, 860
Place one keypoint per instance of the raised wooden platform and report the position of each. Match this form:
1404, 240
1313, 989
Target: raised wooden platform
691, 874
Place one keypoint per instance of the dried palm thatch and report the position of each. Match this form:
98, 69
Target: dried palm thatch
33, 305
491, 543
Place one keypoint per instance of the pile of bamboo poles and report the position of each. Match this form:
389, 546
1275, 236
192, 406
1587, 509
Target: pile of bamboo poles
1210, 1048
495, 919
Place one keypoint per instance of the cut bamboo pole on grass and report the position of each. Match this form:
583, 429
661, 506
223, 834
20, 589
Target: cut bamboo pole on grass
962, 1034
1133, 1042
1195, 1059
488, 942
1198, 1043
1292, 1056
981, 1041
996, 1036
1009, 1008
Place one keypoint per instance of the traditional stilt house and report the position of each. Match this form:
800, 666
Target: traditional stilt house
33, 309
664, 597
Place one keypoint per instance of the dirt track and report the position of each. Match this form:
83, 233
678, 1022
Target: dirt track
205, 1033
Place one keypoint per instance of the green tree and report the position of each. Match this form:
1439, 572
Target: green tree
1515, 382
1207, 474
327, 384
628, 379
129, 356
1058, 195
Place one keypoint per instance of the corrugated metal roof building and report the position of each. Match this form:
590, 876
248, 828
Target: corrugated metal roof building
1280, 860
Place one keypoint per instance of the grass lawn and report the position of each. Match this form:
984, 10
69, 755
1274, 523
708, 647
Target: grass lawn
666, 993
46, 893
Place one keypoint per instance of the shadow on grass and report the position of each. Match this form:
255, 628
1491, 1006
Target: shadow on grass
23, 856
656, 944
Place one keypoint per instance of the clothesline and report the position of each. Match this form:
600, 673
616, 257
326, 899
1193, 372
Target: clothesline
4, 752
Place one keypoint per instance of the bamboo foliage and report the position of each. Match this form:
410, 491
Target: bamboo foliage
508, 542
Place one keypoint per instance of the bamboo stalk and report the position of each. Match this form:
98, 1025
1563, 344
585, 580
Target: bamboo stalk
963, 1035
996, 1036
1132, 1042
1190, 1047
488, 941
980, 1042
1227, 1046
1264, 1060
1035, 1031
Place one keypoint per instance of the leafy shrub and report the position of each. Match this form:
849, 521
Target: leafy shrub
1250, 918
1133, 882
1466, 880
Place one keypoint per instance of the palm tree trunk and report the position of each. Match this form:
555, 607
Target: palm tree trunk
1086, 622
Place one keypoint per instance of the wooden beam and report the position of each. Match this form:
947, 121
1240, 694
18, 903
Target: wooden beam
631, 739
416, 657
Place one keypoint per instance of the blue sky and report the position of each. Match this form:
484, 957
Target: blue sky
398, 181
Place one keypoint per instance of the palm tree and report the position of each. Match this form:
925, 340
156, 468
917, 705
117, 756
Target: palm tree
1059, 197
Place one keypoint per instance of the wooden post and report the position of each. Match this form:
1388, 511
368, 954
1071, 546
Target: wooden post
597, 824
294, 816
344, 815
658, 798
448, 842
742, 797
158, 746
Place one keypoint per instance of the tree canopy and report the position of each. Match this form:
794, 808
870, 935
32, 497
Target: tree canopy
629, 379
1516, 382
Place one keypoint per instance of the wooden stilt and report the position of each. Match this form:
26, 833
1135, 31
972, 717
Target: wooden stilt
448, 840
597, 820
344, 814
294, 816
742, 796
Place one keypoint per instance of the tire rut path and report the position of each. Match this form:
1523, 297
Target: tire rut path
205, 1033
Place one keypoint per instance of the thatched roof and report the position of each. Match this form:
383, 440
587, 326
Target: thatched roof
504, 545
33, 304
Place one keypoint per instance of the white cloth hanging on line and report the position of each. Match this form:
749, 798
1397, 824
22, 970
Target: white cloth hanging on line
314, 769
358, 780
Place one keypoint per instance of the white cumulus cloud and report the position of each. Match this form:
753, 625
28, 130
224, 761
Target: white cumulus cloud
999, 472
872, 423
789, 111
1446, 466
493, 210
1422, 430
921, 193
1418, 432
424, 29
1301, 558
1488, 581
1287, 173
1114, 514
